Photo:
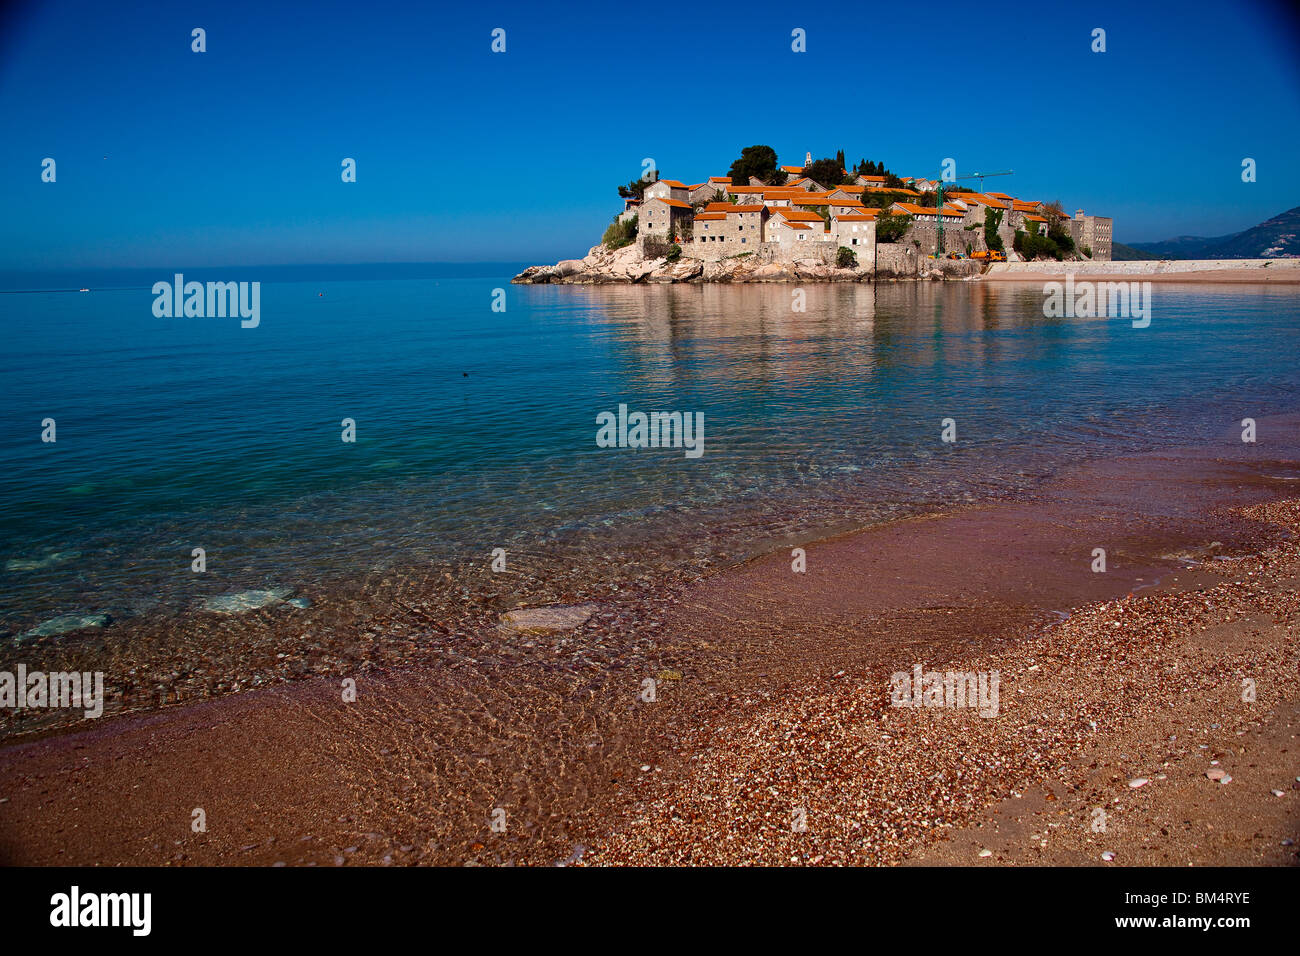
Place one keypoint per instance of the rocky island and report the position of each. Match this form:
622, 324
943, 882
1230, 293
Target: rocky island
822, 222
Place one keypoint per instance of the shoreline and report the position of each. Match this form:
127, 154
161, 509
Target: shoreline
409, 773
625, 266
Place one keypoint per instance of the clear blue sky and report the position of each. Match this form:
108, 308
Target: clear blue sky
232, 157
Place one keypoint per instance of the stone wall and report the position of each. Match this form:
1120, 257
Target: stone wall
955, 237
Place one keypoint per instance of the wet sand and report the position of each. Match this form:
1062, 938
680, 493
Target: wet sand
767, 681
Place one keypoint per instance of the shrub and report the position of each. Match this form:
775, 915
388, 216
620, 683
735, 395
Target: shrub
846, 258
992, 221
892, 228
657, 247
620, 234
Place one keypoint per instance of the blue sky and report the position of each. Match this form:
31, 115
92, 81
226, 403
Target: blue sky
232, 157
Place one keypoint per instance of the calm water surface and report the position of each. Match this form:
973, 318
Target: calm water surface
476, 429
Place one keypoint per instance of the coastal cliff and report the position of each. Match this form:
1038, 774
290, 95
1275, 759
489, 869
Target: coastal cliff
602, 266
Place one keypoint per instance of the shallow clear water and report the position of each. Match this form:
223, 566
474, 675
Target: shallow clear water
476, 429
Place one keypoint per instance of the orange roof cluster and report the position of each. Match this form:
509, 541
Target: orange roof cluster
796, 170
797, 215
980, 198
914, 210
893, 189
849, 189
720, 179
674, 183
851, 203
672, 202
710, 215
748, 189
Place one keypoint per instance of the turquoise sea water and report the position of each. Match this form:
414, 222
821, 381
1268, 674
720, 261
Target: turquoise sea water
476, 429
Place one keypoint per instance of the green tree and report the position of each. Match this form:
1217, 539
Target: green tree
825, 171
637, 187
892, 228
756, 161
992, 222
846, 258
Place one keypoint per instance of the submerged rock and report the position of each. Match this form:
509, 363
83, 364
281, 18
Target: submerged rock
29, 564
244, 601
65, 624
547, 620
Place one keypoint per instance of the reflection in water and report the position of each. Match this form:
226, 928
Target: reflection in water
479, 432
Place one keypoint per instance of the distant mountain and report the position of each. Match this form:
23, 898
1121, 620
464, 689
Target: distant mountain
1122, 253
1278, 238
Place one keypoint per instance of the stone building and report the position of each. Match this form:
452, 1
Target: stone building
793, 230
723, 229
667, 189
663, 217
856, 231
1092, 233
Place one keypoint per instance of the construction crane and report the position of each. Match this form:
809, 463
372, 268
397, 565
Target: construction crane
939, 208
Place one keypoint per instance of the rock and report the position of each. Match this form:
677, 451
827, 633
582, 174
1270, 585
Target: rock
244, 601
568, 267
1277, 793
303, 603
547, 620
65, 624
1108, 856
1138, 782
986, 853
674, 675
1216, 774
51, 559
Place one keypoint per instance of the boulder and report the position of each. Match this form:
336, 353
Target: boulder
547, 620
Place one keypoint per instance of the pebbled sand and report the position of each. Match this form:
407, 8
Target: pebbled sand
772, 694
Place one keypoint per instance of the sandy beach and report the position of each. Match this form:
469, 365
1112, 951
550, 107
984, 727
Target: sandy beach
1208, 271
773, 696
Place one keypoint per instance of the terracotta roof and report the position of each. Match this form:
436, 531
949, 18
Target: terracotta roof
851, 203
792, 169
756, 207
1002, 196
892, 189
798, 215
1019, 205
878, 179
720, 179
697, 185
799, 225
914, 210
1037, 218
748, 189
710, 215
856, 217
672, 202
717, 207
849, 189
673, 183
979, 198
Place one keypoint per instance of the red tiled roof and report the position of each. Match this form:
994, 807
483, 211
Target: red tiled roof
710, 215
673, 183
798, 215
